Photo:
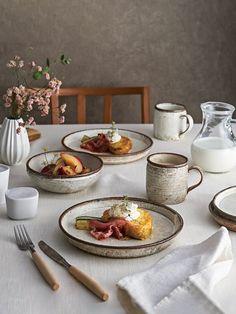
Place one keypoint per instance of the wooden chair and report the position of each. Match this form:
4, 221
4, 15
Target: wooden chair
107, 92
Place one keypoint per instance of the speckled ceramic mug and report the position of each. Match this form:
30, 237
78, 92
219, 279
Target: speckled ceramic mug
167, 178
171, 121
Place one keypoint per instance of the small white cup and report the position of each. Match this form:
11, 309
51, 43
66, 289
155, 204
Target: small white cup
22, 202
171, 121
4, 179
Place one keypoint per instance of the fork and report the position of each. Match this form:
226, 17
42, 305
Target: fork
24, 243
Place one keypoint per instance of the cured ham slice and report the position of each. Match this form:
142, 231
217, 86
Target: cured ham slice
98, 144
103, 230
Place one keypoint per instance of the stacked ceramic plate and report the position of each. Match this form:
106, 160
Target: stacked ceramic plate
223, 208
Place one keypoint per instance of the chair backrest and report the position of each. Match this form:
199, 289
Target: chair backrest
107, 92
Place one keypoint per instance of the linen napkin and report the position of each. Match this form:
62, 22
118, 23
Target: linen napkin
182, 281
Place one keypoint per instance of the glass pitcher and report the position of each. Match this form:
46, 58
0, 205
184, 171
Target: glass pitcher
214, 148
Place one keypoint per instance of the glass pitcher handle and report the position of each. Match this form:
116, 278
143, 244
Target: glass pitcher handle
189, 122
201, 177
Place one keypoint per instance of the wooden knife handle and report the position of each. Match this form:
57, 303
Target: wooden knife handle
89, 282
45, 271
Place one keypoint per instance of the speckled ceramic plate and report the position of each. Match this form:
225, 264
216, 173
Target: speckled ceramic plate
221, 220
141, 145
167, 223
223, 208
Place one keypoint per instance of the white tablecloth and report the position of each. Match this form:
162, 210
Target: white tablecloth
22, 289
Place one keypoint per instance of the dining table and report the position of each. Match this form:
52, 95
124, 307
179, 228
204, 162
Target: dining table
22, 288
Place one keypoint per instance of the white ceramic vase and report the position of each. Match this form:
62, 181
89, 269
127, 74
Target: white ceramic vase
14, 146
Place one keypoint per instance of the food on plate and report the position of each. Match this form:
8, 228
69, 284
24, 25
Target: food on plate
122, 221
123, 146
111, 142
65, 165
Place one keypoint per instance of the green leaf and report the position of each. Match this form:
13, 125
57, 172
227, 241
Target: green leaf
67, 60
86, 138
45, 69
37, 75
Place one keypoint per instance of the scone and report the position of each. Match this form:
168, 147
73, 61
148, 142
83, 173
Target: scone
135, 223
123, 146
140, 228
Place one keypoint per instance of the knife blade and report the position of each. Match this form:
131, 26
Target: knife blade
86, 280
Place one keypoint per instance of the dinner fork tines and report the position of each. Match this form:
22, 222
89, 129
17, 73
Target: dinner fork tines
24, 243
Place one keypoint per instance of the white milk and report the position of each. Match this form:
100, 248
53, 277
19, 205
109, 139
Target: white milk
214, 154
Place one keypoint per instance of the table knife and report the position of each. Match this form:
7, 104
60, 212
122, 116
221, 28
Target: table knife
87, 281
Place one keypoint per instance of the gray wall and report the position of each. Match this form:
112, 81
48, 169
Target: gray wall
184, 50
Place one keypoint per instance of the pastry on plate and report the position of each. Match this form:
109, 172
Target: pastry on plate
122, 221
123, 146
111, 142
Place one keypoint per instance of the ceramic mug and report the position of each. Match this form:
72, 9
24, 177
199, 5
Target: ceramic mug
167, 178
4, 179
171, 121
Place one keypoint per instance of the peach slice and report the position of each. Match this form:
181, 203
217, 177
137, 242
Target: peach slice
73, 162
59, 164
68, 171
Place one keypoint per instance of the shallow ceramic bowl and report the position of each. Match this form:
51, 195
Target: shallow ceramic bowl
63, 184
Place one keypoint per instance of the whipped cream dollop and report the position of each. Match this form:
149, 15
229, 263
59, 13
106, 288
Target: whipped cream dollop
126, 210
113, 135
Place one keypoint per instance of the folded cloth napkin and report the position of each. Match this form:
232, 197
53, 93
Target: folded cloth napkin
182, 281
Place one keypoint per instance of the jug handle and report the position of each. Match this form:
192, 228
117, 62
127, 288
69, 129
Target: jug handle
233, 120
201, 177
189, 122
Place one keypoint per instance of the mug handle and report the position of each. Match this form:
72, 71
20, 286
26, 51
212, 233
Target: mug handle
201, 177
189, 122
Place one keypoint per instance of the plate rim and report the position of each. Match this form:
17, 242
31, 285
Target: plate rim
220, 212
222, 221
147, 245
111, 155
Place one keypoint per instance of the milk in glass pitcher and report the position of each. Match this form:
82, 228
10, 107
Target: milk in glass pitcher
214, 148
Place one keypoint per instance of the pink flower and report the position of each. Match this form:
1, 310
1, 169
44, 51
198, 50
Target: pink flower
29, 107
30, 120
55, 85
21, 64
21, 99
30, 102
61, 119
16, 90
48, 94
63, 108
7, 105
11, 64
9, 92
22, 88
